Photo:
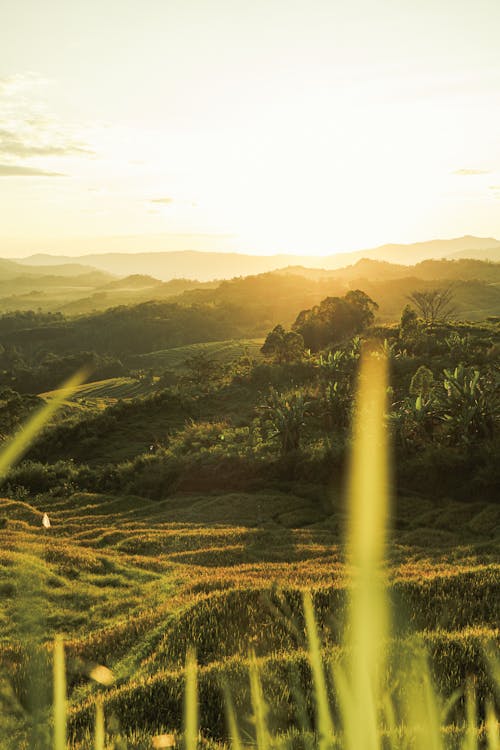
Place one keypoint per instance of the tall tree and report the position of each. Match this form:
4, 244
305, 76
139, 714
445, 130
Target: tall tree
434, 305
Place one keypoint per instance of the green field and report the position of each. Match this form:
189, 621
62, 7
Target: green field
111, 389
132, 583
114, 389
221, 351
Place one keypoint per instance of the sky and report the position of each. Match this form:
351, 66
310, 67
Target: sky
262, 126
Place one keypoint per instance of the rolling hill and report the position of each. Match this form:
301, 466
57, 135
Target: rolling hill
206, 266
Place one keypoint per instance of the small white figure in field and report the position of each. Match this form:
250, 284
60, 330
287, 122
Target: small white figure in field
46, 521
102, 675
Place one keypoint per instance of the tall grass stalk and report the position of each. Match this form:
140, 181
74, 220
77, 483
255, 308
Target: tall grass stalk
99, 726
324, 723
258, 706
366, 633
232, 724
59, 705
191, 703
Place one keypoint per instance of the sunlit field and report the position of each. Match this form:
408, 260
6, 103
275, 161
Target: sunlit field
299, 640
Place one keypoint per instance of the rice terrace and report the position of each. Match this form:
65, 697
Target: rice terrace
250, 375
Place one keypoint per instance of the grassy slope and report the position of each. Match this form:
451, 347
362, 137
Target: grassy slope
221, 351
109, 390
131, 583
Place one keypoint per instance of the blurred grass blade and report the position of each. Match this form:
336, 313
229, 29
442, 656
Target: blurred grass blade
99, 725
324, 723
423, 711
492, 727
390, 721
470, 738
348, 712
28, 432
367, 629
191, 703
258, 705
232, 724
59, 707
430, 713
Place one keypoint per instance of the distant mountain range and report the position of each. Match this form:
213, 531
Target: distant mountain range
207, 266
76, 289
10, 269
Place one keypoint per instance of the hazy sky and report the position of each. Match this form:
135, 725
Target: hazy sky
307, 126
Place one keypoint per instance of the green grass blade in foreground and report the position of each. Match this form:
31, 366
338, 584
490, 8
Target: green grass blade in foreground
423, 714
232, 724
28, 432
470, 739
324, 723
492, 728
367, 628
191, 703
258, 706
99, 726
59, 707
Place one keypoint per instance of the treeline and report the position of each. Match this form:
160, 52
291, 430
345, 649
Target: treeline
289, 417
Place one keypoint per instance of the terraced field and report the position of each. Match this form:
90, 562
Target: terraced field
221, 351
109, 390
132, 583
104, 392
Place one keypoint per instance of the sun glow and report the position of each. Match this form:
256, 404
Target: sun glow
308, 128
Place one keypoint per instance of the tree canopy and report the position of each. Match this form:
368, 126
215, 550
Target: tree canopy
283, 346
335, 319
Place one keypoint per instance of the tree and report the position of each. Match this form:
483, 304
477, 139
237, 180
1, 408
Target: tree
335, 319
409, 323
434, 305
283, 346
201, 372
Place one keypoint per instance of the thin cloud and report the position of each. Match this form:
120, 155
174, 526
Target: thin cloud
469, 172
12, 145
28, 129
17, 170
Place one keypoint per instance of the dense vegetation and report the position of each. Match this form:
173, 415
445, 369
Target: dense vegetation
195, 489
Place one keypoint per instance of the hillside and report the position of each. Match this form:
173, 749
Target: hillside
195, 509
206, 266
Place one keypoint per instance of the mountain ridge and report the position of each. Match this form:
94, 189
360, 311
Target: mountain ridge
207, 266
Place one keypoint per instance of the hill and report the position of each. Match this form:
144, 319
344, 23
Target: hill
388, 283
207, 266
10, 269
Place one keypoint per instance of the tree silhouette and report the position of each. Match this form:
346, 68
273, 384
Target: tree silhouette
434, 305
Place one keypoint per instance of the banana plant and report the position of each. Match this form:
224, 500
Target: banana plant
286, 414
471, 404
415, 420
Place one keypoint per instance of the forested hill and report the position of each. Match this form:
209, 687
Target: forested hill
271, 297
247, 307
277, 296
